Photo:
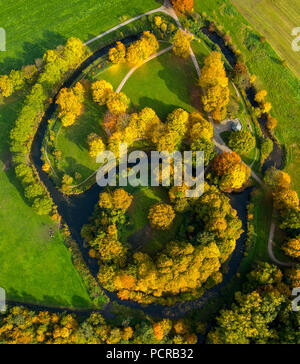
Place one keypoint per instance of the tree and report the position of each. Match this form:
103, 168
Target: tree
285, 199
177, 122
183, 6
101, 91
224, 162
181, 44
168, 141
161, 216
271, 123
6, 86
206, 146
277, 179
242, 142
260, 96
117, 54
232, 171
118, 103
200, 128
292, 248
119, 199
96, 145
214, 82
70, 102
291, 221
142, 49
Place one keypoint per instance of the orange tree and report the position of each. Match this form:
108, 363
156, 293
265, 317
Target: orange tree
183, 6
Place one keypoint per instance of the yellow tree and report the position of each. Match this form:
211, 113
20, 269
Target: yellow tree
292, 248
101, 91
118, 103
285, 199
6, 86
96, 145
142, 49
181, 44
214, 82
260, 96
183, 6
70, 102
161, 216
117, 54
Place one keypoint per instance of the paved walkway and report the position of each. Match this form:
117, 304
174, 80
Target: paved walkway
131, 72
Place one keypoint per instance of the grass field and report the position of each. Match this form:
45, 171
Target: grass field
280, 82
275, 20
164, 84
35, 26
35, 268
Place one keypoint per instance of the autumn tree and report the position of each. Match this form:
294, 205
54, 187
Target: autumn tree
271, 123
183, 6
101, 91
181, 44
285, 199
118, 103
178, 121
96, 145
232, 171
260, 96
119, 199
6, 86
199, 128
292, 248
117, 54
161, 216
142, 49
242, 142
70, 102
214, 82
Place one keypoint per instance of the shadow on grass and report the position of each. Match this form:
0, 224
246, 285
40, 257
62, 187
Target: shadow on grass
32, 51
56, 301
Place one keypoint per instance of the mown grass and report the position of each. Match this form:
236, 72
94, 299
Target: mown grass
280, 82
35, 268
164, 84
275, 21
35, 26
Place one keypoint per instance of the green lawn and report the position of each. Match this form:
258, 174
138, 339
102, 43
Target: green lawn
35, 26
275, 20
164, 84
281, 83
34, 267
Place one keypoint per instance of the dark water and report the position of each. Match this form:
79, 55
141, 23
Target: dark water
76, 210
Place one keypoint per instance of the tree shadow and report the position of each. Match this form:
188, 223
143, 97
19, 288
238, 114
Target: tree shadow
73, 166
76, 301
31, 51
161, 108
